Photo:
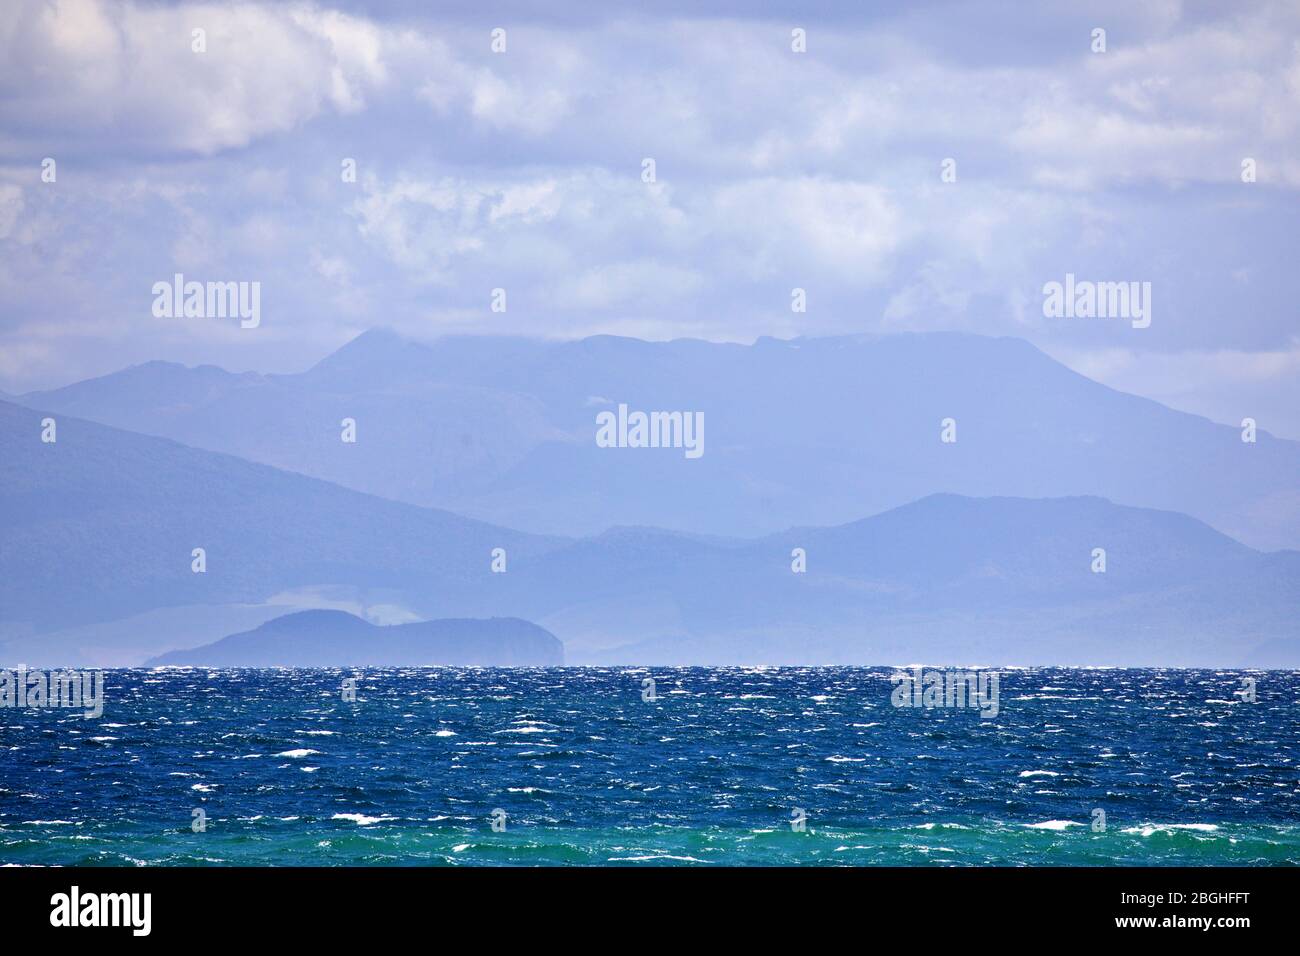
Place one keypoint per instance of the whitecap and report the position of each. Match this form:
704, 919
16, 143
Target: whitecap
360, 819
1053, 825
1147, 829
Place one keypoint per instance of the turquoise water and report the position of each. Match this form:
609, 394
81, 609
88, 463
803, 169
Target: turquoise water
711, 771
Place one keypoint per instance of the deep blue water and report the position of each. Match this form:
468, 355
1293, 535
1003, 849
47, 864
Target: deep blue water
710, 772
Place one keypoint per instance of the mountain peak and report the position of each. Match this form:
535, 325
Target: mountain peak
373, 356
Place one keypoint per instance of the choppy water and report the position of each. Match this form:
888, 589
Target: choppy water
710, 772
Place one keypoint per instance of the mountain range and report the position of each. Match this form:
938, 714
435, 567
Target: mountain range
97, 532
804, 431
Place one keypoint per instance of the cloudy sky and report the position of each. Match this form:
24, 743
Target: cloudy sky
522, 170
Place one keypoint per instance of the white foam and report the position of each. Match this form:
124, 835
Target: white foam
1148, 829
1053, 825
360, 819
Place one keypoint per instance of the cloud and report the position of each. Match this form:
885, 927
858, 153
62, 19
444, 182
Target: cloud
522, 170
639, 284
807, 227
11, 207
428, 226
126, 75
1187, 107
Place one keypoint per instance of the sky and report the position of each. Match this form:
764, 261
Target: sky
523, 170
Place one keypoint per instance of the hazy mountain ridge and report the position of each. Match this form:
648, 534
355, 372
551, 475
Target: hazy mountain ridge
798, 432
945, 578
338, 639
100, 525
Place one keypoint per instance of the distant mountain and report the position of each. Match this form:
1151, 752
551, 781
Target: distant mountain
99, 527
102, 524
338, 639
944, 579
798, 432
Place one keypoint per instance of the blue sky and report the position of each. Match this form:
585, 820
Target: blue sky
522, 170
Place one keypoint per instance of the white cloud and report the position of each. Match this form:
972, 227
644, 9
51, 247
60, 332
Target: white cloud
637, 285
11, 207
126, 73
428, 225
1184, 107
835, 227
522, 170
